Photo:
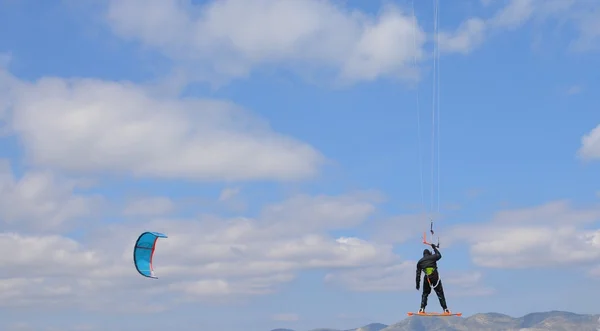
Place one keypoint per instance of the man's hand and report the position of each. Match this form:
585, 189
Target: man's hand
418, 286
433, 246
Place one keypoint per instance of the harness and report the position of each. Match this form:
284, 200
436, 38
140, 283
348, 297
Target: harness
429, 272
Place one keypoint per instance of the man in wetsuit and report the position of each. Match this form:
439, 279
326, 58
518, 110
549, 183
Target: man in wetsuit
428, 265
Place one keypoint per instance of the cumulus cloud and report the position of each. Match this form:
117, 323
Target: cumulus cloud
590, 145
87, 125
49, 255
398, 229
400, 276
228, 39
393, 277
322, 212
206, 259
552, 234
49, 270
41, 201
466, 284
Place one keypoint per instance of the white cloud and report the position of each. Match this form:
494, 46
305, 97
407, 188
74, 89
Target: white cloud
41, 201
37, 256
401, 277
473, 31
534, 246
398, 229
50, 271
244, 247
465, 283
469, 35
207, 259
227, 39
547, 235
590, 145
516, 13
149, 207
231, 199
392, 277
554, 212
87, 125
322, 212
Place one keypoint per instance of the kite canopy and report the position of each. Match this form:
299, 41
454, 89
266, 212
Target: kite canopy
144, 251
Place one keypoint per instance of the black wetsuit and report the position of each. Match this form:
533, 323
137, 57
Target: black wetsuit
428, 265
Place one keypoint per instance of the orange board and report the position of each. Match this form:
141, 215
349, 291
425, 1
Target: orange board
434, 314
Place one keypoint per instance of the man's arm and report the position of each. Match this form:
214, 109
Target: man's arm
436, 253
418, 279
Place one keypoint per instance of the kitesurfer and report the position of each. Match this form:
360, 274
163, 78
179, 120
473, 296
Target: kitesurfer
428, 265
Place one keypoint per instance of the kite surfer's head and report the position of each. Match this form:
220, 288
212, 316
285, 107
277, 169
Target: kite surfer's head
426, 252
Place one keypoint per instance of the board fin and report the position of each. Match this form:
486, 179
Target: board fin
434, 314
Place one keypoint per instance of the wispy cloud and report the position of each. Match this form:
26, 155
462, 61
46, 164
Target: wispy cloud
575, 89
228, 193
287, 317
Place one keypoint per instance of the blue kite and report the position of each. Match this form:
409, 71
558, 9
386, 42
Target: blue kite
144, 251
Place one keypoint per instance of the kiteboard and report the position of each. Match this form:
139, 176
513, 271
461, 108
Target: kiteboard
434, 314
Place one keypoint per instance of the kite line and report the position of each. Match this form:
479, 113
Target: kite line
434, 208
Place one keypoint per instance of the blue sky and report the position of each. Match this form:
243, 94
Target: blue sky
276, 144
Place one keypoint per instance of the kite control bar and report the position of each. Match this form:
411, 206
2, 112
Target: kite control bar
425, 237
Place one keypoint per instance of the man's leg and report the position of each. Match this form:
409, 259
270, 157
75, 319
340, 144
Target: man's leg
439, 290
426, 292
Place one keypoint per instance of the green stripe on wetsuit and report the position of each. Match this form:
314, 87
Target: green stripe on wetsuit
429, 271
